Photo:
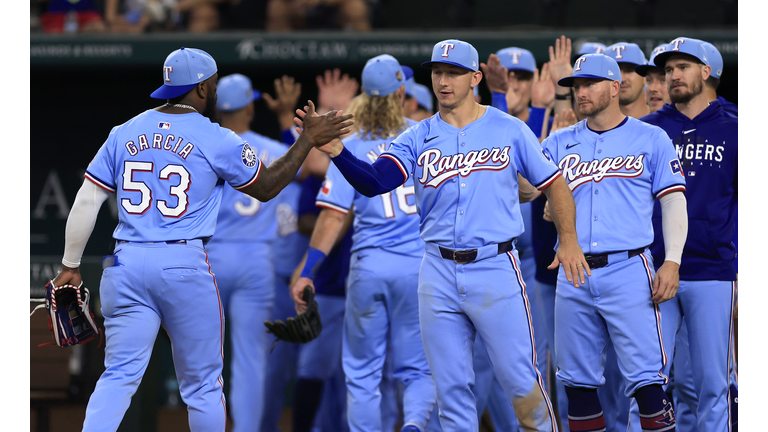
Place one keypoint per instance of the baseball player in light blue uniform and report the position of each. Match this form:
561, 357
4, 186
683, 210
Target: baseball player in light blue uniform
465, 162
705, 135
168, 166
386, 252
616, 167
245, 227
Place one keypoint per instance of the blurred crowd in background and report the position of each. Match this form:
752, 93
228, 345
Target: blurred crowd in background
202, 16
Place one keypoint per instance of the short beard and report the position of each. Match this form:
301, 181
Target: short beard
694, 90
210, 108
602, 103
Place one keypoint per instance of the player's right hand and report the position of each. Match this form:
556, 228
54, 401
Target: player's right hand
567, 118
297, 291
322, 129
560, 65
68, 275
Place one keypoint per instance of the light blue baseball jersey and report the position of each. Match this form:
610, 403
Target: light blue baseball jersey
243, 218
465, 180
388, 221
615, 177
168, 171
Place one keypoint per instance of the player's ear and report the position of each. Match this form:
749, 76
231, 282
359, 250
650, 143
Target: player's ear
476, 78
706, 71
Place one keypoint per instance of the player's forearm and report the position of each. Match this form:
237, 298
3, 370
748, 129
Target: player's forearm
327, 228
526, 191
81, 221
562, 209
369, 179
563, 104
499, 101
282, 171
674, 225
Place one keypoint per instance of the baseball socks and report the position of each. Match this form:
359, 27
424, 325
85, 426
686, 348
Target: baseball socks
656, 412
584, 411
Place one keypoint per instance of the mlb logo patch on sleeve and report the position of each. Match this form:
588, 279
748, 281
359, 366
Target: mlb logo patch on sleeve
163, 125
675, 166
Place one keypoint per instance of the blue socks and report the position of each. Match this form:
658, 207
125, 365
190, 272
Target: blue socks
584, 411
656, 413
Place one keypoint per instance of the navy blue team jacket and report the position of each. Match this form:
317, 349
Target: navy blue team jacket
707, 147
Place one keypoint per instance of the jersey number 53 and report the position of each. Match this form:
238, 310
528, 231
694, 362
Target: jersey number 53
179, 191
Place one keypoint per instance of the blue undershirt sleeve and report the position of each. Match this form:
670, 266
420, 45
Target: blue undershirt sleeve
536, 120
499, 101
370, 180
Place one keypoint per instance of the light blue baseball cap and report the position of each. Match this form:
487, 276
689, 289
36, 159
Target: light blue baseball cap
234, 92
598, 66
642, 70
626, 52
423, 95
382, 75
514, 58
183, 69
692, 47
592, 48
454, 52
715, 59
409, 83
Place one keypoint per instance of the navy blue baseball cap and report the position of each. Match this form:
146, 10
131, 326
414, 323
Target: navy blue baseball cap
715, 59
514, 58
423, 95
183, 69
626, 52
454, 52
642, 70
598, 66
383, 75
692, 47
234, 92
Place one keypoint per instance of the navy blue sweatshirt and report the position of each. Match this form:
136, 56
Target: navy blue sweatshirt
707, 147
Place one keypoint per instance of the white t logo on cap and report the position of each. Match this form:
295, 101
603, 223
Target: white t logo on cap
167, 71
515, 57
599, 49
677, 43
618, 49
579, 61
446, 47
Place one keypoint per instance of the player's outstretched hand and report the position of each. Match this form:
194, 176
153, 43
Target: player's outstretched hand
322, 129
666, 282
567, 118
570, 255
287, 92
560, 65
335, 91
496, 76
542, 90
297, 292
68, 275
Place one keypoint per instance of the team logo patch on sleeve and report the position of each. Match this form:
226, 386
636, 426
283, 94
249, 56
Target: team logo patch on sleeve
674, 165
546, 155
248, 156
327, 185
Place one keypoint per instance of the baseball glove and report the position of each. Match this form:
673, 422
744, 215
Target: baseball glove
303, 328
69, 315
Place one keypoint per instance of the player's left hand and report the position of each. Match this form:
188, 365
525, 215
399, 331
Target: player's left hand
287, 92
570, 255
542, 90
666, 282
496, 76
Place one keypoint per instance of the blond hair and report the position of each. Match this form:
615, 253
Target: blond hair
377, 117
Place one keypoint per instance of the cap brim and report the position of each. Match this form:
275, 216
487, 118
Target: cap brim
642, 70
408, 72
661, 58
568, 81
170, 92
428, 65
